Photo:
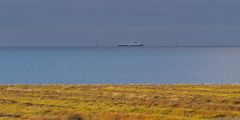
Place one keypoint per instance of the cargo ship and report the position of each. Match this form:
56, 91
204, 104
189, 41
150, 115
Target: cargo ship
133, 44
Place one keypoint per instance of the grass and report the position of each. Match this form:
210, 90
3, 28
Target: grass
119, 102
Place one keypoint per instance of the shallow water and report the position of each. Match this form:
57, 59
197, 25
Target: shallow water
113, 65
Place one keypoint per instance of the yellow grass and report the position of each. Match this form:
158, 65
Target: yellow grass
119, 102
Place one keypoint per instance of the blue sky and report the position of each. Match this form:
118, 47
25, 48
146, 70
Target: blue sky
153, 22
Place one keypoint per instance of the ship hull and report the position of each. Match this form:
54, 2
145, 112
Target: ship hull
140, 45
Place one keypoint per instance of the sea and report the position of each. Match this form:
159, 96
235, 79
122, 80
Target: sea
120, 65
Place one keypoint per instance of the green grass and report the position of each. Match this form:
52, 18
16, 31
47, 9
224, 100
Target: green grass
119, 102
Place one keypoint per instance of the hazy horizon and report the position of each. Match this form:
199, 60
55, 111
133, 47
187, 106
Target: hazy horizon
34, 23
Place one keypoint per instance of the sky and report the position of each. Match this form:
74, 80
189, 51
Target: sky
109, 22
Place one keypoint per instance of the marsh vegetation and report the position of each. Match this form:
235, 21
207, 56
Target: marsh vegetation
119, 102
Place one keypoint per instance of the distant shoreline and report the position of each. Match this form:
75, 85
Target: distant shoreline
106, 46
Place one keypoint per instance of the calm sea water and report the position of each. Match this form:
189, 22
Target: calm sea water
120, 65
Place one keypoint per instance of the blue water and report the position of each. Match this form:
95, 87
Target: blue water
113, 65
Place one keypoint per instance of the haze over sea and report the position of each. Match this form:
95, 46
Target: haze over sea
120, 65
